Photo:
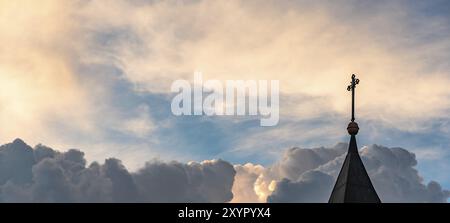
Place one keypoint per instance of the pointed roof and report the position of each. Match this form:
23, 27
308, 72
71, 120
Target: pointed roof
353, 184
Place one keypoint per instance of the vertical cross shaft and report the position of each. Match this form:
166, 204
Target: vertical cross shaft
351, 88
353, 99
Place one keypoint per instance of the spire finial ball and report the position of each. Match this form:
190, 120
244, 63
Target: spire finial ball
352, 128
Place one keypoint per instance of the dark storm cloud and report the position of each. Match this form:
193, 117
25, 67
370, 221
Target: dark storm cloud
45, 175
209, 181
310, 187
392, 171
42, 174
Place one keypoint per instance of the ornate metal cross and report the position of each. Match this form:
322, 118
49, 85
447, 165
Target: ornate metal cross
351, 88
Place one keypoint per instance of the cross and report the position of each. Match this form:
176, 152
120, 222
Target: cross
351, 88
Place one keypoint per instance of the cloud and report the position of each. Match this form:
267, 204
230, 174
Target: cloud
208, 181
38, 85
140, 126
304, 45
46, 87
45, 175
41, 174
244, 186
310, 187
63, 87
308, 175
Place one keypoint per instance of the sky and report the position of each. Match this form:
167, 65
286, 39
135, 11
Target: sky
96, 77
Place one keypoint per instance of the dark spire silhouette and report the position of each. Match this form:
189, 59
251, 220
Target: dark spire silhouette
353, 184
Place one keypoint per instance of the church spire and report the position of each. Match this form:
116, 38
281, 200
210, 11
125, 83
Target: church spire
353, 183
